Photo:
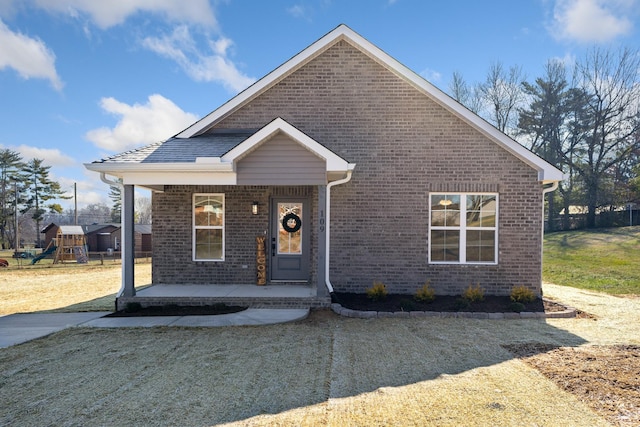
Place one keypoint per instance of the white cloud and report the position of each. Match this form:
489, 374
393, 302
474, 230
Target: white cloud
29, 57
590, 21
298, 11
51, 156
154, 121
89, 191
431, 75
109, 13
214, 67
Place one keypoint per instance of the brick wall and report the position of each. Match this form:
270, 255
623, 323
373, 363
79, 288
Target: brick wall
173, 234
405, 145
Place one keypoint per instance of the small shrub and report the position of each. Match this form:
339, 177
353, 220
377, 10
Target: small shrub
522, 294
473, 293
517, 306
377, 292
407, 305
461, 304
426, 293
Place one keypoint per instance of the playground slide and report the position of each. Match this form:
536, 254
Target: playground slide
43, 254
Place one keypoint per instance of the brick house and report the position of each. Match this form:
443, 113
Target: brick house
353, 168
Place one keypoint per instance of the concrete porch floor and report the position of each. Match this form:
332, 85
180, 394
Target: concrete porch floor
253, 296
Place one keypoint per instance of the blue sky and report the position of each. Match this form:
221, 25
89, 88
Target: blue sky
84, 79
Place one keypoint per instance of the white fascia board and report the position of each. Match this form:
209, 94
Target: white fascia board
179, 178
119, 168
334, 163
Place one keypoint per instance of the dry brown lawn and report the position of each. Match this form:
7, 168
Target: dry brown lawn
325, 370
68, 287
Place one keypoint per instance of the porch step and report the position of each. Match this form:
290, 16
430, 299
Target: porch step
251, 302
252, 296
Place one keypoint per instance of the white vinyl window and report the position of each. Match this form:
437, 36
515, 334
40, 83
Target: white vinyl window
463, 228
208, 227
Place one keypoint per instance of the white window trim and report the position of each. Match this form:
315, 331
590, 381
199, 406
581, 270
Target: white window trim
463, 228
208, 227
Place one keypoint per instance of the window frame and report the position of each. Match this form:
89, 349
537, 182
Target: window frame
463, 227
195, 227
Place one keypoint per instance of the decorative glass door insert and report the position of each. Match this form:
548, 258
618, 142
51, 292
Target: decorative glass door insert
289, 228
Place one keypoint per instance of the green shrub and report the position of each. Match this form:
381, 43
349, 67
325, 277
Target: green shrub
517, 306
426, 293
407, 304
473, 293
522, 294
377, 292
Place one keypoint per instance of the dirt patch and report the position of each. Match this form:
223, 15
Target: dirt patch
606, 378
443, 303
177, 310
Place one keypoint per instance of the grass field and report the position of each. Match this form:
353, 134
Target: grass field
64, 287
324, 370
604, 260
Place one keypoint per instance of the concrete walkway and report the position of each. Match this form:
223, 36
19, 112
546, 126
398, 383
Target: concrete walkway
20, 328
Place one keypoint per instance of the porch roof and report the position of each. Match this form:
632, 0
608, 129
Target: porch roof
209, 159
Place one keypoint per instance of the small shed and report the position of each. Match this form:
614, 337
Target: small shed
100, 237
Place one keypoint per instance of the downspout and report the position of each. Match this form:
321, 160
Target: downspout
328, 228
553, 187
103, 178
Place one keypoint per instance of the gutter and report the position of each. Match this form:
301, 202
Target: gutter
553, 187
328, 228
103, 178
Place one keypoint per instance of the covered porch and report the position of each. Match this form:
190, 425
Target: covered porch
270, 169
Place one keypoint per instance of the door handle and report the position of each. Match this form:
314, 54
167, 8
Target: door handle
273, 246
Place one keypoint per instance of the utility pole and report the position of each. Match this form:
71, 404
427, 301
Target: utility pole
17, 242
75, 202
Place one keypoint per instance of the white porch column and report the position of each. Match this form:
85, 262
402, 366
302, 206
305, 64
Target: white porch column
127, 242
322, 242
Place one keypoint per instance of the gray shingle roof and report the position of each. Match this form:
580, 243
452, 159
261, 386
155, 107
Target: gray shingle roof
183, 150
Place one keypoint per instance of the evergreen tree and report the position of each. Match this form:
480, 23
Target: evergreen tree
116, 197
545, 123
40, 189
10, 186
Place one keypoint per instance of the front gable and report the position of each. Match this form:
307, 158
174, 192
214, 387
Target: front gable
546, 173
281, 161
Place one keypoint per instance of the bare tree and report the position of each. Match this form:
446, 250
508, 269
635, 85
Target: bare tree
503, 96
611, 84
143, 210
469, 96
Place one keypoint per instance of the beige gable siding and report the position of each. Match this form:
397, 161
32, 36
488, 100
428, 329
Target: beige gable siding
281, 161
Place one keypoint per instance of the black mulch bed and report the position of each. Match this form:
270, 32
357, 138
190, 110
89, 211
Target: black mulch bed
177, 310
448, 303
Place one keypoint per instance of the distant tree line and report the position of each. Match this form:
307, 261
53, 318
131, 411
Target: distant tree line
26, 194
28, 199
584, 118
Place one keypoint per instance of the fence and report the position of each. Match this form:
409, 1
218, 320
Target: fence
603, 220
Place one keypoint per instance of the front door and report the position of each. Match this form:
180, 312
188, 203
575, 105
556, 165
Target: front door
290, 231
